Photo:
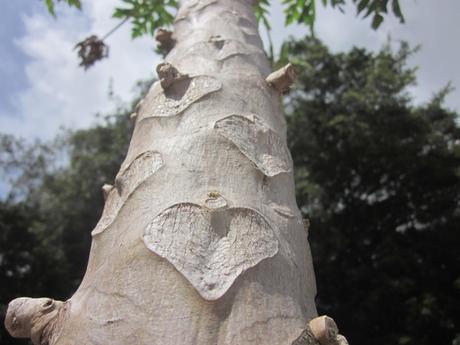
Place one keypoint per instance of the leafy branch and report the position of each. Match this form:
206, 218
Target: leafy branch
304, 11
146, 16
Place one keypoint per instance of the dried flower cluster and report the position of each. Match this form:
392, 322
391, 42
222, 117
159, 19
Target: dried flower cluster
90, 50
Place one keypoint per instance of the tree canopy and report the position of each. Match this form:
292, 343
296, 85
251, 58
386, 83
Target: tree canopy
379, 180
377, 177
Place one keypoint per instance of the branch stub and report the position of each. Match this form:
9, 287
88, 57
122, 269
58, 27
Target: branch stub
165, 39
168, 74
283, 78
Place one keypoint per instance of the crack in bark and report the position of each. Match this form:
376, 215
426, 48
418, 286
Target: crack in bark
257, 142
126, 183
218, 48
161, 104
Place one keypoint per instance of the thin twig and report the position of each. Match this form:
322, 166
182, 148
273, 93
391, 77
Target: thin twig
115, 28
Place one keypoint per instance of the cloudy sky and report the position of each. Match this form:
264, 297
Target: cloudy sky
42, 88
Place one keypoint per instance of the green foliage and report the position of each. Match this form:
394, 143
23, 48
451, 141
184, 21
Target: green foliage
304, 11
26, 163
376, 8
146, 15
50, 5
27, 265
300, 11
262, 10
380, 183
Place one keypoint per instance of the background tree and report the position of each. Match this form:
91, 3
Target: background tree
379, 180
27, 263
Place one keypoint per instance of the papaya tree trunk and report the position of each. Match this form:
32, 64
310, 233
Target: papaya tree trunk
200, 241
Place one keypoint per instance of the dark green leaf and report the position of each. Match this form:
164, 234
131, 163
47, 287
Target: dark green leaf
50, 7
362, 5
376, 21
146, 15
397, 10
300, 11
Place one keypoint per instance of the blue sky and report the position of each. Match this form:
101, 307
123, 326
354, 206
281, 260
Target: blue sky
42, 88
11, 69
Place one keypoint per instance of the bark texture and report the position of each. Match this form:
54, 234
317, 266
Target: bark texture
201, 241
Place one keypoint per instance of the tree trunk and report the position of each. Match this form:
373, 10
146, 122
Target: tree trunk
201, 241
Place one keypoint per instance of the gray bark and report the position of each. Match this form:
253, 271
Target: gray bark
201, 240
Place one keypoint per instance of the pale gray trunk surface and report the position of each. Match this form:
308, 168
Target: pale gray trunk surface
201, 241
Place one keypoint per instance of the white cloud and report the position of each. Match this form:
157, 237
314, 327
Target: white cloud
60, 93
